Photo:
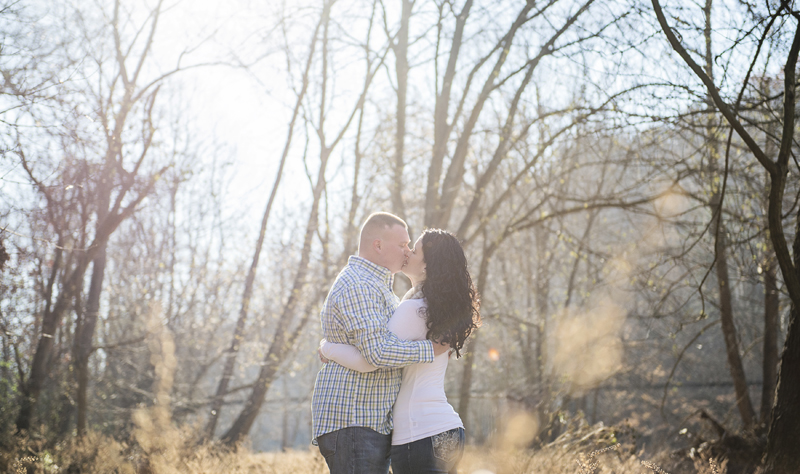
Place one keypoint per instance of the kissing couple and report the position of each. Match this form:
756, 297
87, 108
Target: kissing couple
379, 397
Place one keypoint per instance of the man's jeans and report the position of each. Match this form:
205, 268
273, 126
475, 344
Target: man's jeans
356, 450
438, 454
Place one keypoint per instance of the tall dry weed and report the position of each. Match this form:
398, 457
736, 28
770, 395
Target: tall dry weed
97, 453
161, 443
589, 348
565, 460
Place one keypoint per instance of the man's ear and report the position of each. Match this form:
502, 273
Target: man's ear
376, 245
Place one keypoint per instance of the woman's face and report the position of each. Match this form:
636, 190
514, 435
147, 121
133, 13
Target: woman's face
415, 268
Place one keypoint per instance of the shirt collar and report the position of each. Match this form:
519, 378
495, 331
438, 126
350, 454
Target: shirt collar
382, 273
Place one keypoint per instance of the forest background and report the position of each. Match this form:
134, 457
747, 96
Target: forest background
180, 183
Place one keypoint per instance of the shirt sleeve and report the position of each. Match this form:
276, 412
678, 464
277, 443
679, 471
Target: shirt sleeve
362, 316
346, 356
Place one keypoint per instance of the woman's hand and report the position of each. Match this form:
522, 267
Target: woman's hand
322, 358
440, 348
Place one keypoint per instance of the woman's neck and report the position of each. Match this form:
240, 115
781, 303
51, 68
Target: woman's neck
415, 282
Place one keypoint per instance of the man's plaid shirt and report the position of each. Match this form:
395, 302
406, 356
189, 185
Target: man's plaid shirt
355, 312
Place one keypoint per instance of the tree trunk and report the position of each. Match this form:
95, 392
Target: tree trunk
351, 230
782, 456
729, 332
743, 402
85, 330
4, 257
455, 170
401, 70
281, 342
441, 129
44, 348
500, 153
530, 338
285, 418
770, 359
771, 355
5, 370
85, 336
542, 298
464, 392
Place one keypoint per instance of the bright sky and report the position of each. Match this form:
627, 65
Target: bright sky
229, 103
250, 109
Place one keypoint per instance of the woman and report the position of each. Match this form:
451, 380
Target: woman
442, 305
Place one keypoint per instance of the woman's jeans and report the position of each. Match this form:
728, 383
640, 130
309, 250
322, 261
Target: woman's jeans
438, 454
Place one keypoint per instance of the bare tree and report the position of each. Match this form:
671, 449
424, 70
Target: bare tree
720, 244
124, 180
247, 294
284, 337
781, 456
400, 48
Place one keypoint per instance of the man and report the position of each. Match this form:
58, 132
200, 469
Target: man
351, 411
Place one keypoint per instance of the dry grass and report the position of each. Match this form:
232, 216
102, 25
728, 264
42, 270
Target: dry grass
97, 454
160, 447
558, 460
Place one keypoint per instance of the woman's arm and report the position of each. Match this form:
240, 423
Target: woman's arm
346, 356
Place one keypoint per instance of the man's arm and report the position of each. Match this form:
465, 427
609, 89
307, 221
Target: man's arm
362, 315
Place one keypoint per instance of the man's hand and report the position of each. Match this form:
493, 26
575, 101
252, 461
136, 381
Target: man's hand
440, 348
322, 358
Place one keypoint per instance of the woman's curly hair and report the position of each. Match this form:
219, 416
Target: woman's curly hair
453, 306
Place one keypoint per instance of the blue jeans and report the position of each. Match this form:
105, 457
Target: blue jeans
438, 454
356, 450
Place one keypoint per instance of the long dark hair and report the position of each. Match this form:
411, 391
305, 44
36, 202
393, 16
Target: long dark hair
453, 310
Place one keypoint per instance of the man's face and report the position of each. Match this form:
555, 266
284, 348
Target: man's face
394, 248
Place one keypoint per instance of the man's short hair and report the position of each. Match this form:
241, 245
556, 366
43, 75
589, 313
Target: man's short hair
377, 222
381, 220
